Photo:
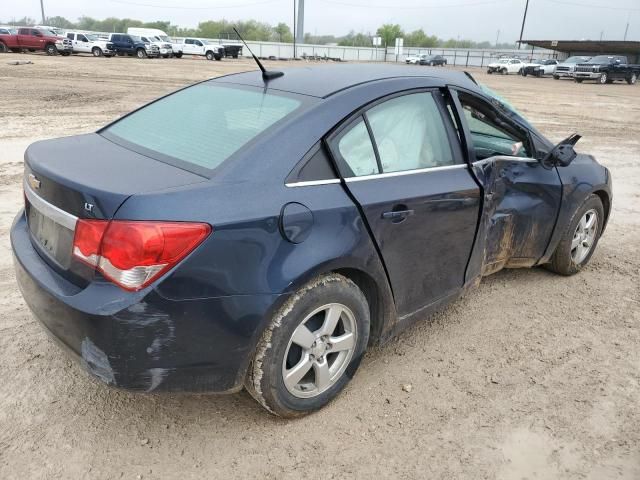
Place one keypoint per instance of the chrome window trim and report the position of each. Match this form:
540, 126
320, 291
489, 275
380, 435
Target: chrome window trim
312, 183
405, 172
505, 157
48, 210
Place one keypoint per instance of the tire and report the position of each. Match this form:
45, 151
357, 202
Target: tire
277, 352
632, 79
65, 54
604, 78
209, 55
50, 49
97, 52
489, 72
140, 53
556, 77
523, 72
579, 80
3, 48
504, 71
178, 55
235, 55
32, 50
565, 259
218, 57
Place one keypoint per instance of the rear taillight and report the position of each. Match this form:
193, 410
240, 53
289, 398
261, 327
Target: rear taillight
133, 254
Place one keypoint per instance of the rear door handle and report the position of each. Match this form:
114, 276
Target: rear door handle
397, 215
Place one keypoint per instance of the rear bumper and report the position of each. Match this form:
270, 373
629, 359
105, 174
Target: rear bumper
142, 341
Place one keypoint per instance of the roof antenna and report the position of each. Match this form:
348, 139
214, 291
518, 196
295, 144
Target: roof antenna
266, 74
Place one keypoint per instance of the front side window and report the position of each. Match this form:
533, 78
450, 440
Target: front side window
409, 133
490, 133
201, 125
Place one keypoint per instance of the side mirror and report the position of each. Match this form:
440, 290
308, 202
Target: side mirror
562, 154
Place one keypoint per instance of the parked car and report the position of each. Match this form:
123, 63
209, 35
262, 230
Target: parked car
546, 67
164, 46
607, 69
433, 60
412, 59
34, 39
232, 50
566, 67
528, 67
125, 44
198, 46
90, 43
328, 212
506, 66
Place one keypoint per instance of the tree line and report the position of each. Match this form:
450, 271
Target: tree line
262, 31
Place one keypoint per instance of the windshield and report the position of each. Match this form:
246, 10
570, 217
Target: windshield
212, 123
92, 36
576, 60
164, 38
601, 59
504, 60
135, 38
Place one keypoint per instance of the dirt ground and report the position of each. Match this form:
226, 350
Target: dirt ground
531, 375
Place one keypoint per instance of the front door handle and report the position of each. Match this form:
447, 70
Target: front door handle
397, 216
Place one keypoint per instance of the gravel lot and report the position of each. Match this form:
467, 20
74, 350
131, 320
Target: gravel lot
531, 375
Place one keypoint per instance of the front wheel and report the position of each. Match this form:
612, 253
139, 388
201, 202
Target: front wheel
140, 53
3, 48
51, 49
209, 55
580, 238
604, 78
97, 52
633, 79
178, 54
312, 347
579, 80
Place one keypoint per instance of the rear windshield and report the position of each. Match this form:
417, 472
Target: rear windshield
202, 125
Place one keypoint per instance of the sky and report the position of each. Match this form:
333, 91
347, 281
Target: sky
465, 19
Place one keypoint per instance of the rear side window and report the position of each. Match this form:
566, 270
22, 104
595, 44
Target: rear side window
410, 134
356, 150
202, 125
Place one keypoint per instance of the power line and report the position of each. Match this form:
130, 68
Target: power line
414, 7
174, 7
590, 5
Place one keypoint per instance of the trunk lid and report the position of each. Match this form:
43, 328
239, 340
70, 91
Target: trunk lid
85, 176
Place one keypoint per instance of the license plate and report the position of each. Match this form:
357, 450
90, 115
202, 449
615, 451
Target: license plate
54, 239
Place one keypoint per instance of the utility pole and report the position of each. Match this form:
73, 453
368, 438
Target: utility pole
44, 19
524, 18
294, 29
497, 37
627, 27
300, 28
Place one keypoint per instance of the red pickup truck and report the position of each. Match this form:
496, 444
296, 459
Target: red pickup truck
33, 39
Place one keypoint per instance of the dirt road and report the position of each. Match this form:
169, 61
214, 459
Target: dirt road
531, 375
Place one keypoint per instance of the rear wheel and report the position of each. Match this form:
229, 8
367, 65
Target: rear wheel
96, 52
50, 49
632, 79
312, 348
3, 48
140, 53
579, 239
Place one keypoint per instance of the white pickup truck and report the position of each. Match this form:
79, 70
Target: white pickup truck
198, 46
149, 35
89, 43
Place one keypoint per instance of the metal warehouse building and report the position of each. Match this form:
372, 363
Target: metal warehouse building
590, 48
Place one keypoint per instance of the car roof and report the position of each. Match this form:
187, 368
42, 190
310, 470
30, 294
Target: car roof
325, 80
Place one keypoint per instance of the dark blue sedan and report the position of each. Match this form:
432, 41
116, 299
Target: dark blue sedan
284, 224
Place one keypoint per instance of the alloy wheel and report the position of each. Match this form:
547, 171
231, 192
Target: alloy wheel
603, 78
584, 236
319, 350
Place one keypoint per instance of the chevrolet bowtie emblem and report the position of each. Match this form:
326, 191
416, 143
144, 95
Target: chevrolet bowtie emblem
33, 181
